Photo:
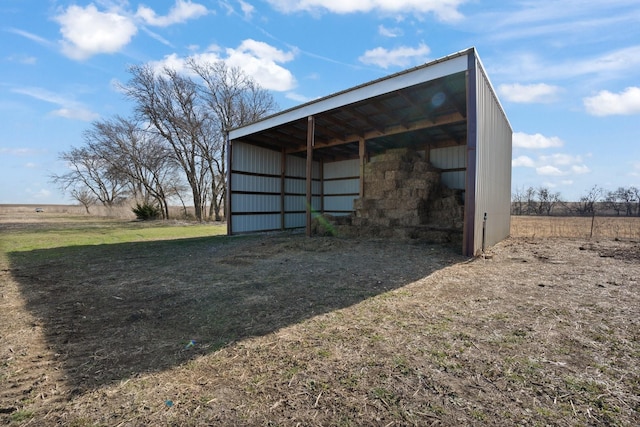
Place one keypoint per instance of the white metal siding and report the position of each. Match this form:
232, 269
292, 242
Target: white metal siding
346, 168
493, 173
255, 197
249, 158
343, 186
250, 223
340, 186
450, 158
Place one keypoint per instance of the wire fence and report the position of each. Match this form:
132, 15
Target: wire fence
624, 228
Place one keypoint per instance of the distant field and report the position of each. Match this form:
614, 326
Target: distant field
598, 227
123, 212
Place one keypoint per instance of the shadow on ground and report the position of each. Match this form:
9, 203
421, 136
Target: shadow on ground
110, 312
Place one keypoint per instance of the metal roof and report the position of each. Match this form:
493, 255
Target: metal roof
423, 105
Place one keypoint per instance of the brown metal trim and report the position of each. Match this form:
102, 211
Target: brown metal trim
227, 204
283, 175
310, 135
362, 154
468, 234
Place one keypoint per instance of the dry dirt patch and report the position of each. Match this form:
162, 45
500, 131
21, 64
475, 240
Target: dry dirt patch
324, 331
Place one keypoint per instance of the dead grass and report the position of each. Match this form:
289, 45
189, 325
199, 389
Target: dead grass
325, 331
583, 227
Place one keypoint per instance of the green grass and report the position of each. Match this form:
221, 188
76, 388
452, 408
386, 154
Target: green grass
100, 233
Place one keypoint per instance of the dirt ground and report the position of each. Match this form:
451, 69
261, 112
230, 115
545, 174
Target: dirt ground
285, 330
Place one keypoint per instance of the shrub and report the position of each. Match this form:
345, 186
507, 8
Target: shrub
146, 211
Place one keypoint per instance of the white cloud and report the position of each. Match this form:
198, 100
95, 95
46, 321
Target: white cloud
389, 32
40, 194
580, 169
88, 31
523, 161
445, 10
70, 109
556, 164
258, 60
76, 113
400, 57
182, 11
549, 170
23, 59
561, 159
247, 9
261, 61
297, 97
605, 66
606, 103
540, 92
537, 141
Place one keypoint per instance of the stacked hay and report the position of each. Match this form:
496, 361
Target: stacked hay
404, 198
396, 184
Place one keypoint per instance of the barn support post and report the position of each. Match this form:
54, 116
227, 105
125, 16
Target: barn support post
310, 143
468, 233
227, 202
283, 178
362, 151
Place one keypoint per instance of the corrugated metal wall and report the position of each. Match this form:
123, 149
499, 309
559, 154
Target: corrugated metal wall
341, 186
450, 158
256, 197
493, 165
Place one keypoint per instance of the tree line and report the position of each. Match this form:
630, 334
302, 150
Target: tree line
623, 201
172, 148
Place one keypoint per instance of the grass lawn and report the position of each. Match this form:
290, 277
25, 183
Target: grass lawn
106, 322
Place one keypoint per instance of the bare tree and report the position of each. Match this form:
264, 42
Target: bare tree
84, 197
546, 200
169, 102
636, 196
140, 156
612, 202
530, 197
234, 99
587, 202
88, 171
627, 198
518, 202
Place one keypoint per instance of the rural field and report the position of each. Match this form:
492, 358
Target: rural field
112, 322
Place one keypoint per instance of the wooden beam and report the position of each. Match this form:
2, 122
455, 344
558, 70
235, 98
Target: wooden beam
310, 142
394, 130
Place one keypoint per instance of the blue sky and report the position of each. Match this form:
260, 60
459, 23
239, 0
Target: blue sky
567, 73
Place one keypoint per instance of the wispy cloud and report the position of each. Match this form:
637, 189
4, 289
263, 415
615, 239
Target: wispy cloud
536, 141
31, 36
533, 93
182, 11
18, 152
69, 108
389, 32
445, 10
399, 57
23, 59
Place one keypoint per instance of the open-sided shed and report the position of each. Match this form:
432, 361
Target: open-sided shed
313, 158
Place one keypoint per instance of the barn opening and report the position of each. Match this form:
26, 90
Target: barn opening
424, 153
